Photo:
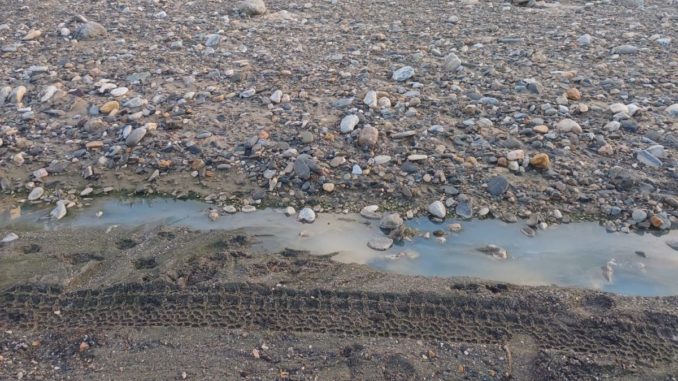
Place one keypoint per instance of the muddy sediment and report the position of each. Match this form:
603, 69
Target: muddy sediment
175, 279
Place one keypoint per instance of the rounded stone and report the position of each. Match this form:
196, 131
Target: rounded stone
437, 209
540, 161
36, 194
306, 215
390, 221
497, 185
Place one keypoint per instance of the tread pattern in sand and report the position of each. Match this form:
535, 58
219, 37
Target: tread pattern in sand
456, 318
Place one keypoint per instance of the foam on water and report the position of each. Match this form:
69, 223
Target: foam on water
565, 255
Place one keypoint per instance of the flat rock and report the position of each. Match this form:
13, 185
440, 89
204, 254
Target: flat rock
9, 238
135, 136
59, 211
403, 74
380, 243
497, 185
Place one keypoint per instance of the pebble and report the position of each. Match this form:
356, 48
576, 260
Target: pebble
452, 62
59, 211
569, 125
9, 238
464, 208
276, 97
368, 136
403, 74
306, 215
516, 155
328, 187
528, 231
495, 251
540, 161
417, 157
370, 212
584, 40
617, 108
348, 123
541, 129
89, 31
497, 185
32, 35
390, 221
135, 136
625, 49
371, 99
248, 209
48, 93
252, 7
381, 159
36, 194
648, 159
455, 228
672, 110
437, 209
380, 243
638, 215
212, 40
289, 211
119, 91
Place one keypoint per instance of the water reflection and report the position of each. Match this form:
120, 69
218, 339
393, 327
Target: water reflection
566, 255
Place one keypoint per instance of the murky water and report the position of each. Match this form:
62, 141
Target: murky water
565, 255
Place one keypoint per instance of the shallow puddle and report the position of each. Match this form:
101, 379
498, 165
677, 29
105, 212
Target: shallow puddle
565, 255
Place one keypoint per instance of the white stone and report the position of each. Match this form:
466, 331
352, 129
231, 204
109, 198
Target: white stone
437, 209
569, 125
617, 108
306, 215
10, 237
119, 91
371, 99
452, 62
417, 157
248, 209
59, 211
276, 97
348, 123
36, 193
381, 159
403, 74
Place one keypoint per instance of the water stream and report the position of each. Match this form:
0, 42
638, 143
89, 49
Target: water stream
565, 255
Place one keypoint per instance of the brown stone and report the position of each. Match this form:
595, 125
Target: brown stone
109, 107
96, 144
541, 129
368, 136
540, 161
573, 94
